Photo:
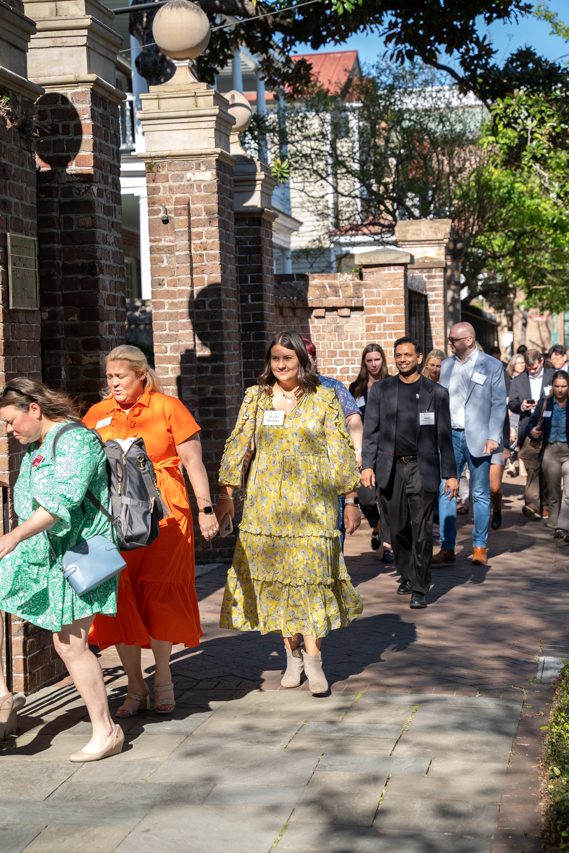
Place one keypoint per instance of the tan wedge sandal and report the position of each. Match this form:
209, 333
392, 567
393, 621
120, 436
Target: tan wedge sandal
168, 705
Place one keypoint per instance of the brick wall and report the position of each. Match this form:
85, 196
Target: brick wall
255, 280
432, 276
20, 354
328, 309
79, 229
195, 303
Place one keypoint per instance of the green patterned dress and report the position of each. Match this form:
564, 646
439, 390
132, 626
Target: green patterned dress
288, 571
31, 584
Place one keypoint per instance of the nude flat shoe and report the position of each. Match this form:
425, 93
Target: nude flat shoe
113, 746
9, 707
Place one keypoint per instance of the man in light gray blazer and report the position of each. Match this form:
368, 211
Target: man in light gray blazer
477, 401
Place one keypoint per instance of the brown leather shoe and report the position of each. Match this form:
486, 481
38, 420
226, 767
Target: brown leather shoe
445, 555
479, 557
545, 513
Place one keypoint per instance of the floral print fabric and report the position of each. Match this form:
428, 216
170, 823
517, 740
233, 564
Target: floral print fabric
32, 586
288, 572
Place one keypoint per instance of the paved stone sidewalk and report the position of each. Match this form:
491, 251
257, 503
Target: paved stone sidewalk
350, 772
417, 749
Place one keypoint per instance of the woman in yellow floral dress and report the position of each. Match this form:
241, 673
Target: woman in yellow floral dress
288, 572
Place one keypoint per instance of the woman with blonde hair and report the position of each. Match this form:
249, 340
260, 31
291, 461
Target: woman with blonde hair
157, 605
432, 368
54, 499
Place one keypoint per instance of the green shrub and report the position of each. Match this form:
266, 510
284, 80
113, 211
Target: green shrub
556, 827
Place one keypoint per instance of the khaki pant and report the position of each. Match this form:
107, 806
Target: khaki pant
555, 466
536, 491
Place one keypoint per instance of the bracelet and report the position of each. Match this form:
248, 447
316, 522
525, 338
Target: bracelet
358, 449
207, 500
226, 498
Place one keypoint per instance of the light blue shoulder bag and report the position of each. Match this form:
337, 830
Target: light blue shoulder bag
91, 562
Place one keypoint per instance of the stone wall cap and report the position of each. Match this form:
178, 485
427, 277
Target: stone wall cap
83, 81
383, 258
188, 154
423, 230
19, 85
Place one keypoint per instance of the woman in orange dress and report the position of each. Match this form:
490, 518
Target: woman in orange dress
157, 602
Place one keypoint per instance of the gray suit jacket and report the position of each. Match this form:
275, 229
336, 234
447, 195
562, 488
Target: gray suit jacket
485, 408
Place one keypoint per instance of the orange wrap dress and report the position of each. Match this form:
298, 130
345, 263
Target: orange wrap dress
157, 596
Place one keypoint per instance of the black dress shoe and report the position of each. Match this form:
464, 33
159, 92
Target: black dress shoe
375, 541
404, 588
418, 601
387, 556
496, 519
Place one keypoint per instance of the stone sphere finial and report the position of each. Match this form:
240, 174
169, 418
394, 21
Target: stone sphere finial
181, 30
241, 111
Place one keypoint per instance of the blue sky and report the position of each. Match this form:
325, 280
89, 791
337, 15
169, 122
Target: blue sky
505, 37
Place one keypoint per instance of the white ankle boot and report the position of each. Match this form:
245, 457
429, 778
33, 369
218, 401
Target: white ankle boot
313, 668
294, 668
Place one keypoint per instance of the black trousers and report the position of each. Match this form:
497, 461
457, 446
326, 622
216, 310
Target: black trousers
368, 505
409, 510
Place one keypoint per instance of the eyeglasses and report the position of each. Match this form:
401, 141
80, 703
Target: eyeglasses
454, 340
7, 388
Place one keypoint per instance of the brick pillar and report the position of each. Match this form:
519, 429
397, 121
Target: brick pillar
79, 199
195, 308
254, 257
428, 241
385, 298
34, 660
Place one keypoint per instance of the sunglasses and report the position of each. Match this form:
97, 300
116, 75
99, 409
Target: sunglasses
7, 388
454, 340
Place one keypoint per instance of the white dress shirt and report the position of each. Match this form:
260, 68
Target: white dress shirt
535, 383
458, 387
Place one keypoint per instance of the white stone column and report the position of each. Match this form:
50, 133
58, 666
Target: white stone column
236, 75
139, 87
287, 257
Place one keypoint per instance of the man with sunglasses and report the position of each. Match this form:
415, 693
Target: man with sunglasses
477, 399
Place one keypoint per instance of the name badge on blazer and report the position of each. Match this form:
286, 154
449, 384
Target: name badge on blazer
547, 414
426, 418
479, 378
273, 418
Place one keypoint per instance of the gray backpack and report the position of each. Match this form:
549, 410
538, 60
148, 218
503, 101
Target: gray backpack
136, 502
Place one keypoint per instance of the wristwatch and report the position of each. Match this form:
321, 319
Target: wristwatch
207, 510
352, 501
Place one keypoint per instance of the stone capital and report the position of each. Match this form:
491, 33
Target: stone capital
15, 32
190, 119
253, 186
75, 40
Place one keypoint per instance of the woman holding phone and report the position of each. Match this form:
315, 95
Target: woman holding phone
288, 573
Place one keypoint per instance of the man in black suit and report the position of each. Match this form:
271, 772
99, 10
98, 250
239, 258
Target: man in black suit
407, 446
525, 391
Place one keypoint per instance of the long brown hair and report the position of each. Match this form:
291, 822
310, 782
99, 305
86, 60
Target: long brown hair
21, 392
307, 381
363, 376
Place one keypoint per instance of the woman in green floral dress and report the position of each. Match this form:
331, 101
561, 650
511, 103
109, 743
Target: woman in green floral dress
50, 496
288, 572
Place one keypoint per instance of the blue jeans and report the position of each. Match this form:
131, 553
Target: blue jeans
479, 467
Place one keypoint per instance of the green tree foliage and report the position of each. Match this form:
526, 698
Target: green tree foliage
402, 144
442, 33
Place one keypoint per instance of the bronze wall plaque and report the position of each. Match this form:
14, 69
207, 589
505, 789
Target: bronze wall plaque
23, 283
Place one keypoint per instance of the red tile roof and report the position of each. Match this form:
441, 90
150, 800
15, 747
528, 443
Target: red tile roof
334, 69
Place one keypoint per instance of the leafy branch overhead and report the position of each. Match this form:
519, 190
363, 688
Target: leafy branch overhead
443, 33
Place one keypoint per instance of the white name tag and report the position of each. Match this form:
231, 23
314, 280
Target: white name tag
426, 418
104, 422
361, 401
546, 391
479, 378
547, 414
273, 418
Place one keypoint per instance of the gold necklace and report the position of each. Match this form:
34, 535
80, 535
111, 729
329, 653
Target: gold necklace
289, 399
